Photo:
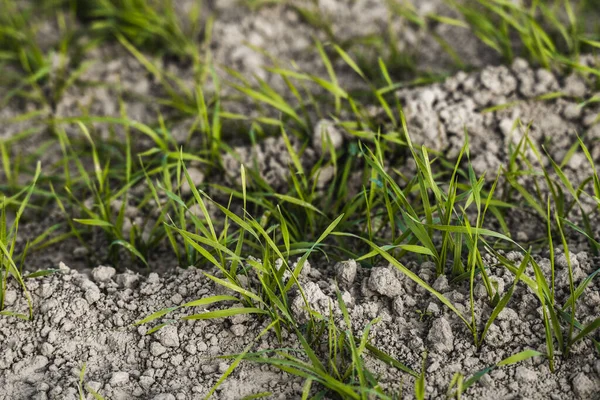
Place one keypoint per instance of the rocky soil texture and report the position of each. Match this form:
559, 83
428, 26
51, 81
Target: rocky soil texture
88, 320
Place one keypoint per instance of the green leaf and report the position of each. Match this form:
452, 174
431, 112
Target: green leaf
524, 355
521, 356
45, 272
330, 228
209, 300
417, 249
93, 222
349, 61
155, 315
158, 327
384, 72
131, 249
234, 287
580, 289
228, 312
275, 103
420, 383
14, 314
386, 358
587, 330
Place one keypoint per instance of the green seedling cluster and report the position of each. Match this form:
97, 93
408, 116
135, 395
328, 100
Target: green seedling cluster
551, 34
146, 23
8, 240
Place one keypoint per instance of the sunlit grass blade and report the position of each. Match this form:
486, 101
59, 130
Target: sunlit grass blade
420, 382
515, 358
131, 249
587, 330
571, 279
93, 222
228, 312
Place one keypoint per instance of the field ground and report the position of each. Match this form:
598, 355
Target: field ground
299, 199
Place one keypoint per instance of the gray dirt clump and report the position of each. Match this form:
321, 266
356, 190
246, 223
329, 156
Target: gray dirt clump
346, 272
440, 336
439, 115
384, 282
272, 158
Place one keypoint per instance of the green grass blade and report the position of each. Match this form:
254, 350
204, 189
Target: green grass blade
131, 249
93, 222
228, 312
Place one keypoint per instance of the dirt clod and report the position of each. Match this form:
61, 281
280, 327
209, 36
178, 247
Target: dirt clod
384, 282
346, 272
440, 335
